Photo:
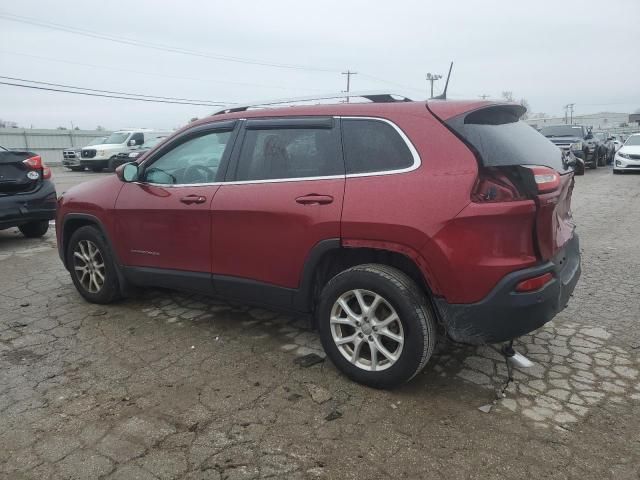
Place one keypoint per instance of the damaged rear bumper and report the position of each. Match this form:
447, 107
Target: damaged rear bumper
505, 314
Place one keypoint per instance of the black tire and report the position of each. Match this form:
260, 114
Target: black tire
412, 308
34, 229
110, 290
96, 169
76, 169
113, 164
602, 159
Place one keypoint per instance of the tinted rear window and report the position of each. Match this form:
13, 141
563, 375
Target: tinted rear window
501, 139
282, 153
373, 146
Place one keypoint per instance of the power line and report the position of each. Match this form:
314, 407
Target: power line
34, 87
140, 72
156, 46
111, 91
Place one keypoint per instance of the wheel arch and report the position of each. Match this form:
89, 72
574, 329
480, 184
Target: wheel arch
330, 257
71, 223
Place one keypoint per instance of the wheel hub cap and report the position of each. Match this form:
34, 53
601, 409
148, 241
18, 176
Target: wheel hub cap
88, 265
367, 330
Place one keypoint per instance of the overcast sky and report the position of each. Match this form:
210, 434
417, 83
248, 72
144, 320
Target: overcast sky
549, 52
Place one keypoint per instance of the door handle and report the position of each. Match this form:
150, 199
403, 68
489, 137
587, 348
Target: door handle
314, 199
189, 199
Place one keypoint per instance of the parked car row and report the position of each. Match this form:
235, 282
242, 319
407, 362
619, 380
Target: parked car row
109, 152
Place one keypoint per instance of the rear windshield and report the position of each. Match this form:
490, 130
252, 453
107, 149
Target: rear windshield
500, 138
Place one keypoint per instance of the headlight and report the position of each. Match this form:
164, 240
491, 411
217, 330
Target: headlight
576, 146
624, 155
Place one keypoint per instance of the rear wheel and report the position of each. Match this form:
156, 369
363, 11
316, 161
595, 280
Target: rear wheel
34, 229
376, 325
92, 268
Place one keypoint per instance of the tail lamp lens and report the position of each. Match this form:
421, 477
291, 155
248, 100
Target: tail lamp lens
547, 179
35, 163
533, 284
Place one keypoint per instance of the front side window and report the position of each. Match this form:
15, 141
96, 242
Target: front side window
138, 137
289, 153
193, 161
373, 146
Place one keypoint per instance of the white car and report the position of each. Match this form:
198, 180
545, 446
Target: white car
105, 155
628, 157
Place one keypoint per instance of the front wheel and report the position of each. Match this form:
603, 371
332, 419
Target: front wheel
92, 268
34, 229
376, 325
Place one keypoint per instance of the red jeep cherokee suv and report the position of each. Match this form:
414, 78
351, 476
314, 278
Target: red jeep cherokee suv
385, 220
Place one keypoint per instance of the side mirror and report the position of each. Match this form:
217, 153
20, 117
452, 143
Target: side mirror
132, 143
128, 172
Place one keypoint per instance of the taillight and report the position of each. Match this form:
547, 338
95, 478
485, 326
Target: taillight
494, 186
35, 163
533, 284
547, 179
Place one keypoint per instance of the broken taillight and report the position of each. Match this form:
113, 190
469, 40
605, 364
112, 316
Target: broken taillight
494, 185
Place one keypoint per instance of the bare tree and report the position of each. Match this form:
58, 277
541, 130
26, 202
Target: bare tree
508, 96
525, 104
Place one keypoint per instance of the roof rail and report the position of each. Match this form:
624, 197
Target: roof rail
375, 97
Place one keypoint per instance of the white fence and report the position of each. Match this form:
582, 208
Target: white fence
49, 144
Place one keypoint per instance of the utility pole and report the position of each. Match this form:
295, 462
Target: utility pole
348, 73
571, 110
433, 78
568, 108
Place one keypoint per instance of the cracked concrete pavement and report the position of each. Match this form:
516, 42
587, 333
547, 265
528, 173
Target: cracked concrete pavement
170, 385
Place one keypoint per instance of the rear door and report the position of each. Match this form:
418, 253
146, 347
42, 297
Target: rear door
284, 195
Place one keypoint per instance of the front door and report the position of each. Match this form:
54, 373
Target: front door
164, 219
284, 196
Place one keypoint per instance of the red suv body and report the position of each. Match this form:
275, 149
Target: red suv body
459, 205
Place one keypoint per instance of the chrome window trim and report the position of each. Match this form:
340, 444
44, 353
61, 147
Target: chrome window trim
417, 162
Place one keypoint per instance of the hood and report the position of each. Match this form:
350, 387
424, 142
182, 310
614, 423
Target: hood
564, 139
104, 146
630, 149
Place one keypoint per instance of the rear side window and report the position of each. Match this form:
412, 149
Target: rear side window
500, 138
282, 153
373, 146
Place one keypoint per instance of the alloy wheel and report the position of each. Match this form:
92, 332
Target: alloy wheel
367, 330
88, 265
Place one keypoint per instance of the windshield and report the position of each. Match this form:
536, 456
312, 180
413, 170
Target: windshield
96, 141
153, 142
117, 137
633, 140
562, 131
